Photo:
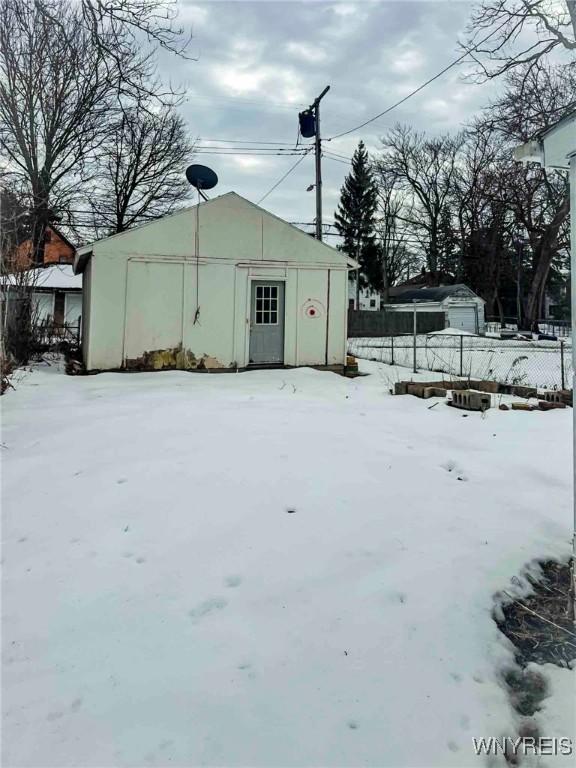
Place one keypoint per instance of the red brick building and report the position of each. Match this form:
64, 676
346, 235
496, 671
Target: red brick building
57, 249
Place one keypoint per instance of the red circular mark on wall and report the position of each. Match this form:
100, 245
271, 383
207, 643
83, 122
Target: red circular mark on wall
313, 309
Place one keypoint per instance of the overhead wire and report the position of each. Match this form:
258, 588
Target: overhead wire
281, 179
421, 87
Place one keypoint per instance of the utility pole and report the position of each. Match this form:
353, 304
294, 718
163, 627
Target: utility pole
318, 152
310, 126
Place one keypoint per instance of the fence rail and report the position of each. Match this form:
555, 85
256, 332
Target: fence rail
543, 364
367, 323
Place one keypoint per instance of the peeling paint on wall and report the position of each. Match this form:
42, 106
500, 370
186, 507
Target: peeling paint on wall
172, 359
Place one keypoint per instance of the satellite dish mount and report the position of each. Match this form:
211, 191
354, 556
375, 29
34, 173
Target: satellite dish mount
201, 177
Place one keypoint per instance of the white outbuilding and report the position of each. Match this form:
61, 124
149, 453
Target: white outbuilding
221, 285
462, 308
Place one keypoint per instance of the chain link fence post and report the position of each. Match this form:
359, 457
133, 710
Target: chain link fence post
562, 371
392, 347
461, 355
415, 369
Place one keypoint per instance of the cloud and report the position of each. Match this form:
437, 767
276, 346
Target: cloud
261, 62
407, 60
193, 14
306, 51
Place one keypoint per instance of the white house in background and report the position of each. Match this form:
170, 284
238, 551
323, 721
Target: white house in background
56, 293
221, 285
463, 309
371, 300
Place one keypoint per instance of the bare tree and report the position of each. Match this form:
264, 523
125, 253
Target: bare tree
524, 32
56, 92
18, 311
539, 198
424, 170
397, 258
142, 164
66, 71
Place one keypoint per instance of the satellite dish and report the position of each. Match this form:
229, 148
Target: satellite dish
201, 177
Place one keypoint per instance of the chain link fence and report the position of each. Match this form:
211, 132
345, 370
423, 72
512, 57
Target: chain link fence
532, 363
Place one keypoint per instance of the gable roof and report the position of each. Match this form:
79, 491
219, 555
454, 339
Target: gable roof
55, 276
62, 236
408, 293
85, 252
56, 231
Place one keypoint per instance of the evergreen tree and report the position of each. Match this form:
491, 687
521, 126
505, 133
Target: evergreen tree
355, 220
448, 259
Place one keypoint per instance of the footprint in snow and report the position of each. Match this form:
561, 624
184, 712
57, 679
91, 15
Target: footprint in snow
352, 724
233, 581
209, 606
453, 747
451, 467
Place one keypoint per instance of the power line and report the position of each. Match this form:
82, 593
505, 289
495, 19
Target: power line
246, 141
251, 153
420, 87
339, 156
336, 160
288, 172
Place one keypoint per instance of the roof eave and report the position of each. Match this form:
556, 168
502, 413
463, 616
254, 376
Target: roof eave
553, 148
82, 258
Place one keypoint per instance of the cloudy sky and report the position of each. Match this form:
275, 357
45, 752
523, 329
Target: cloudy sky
259, 63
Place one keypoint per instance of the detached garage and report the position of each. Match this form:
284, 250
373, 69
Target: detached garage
221, 285
463, 309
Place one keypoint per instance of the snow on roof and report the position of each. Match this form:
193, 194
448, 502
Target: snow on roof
402, 294
452, 332
55, 276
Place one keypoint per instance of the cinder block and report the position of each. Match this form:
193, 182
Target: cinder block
527, 392
417, 389
547, 405
522, 407
553, 396
434, 392
487, 386
401, 388
470, 400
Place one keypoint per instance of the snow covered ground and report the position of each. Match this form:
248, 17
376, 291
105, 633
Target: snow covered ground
531, 363
275, 568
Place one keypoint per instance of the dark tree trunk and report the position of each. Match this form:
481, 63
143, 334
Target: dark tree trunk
40, 218
544, 254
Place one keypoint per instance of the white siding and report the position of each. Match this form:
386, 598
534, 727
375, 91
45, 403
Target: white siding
462, 318
43, 306
146, 285
72, 308
154, 291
